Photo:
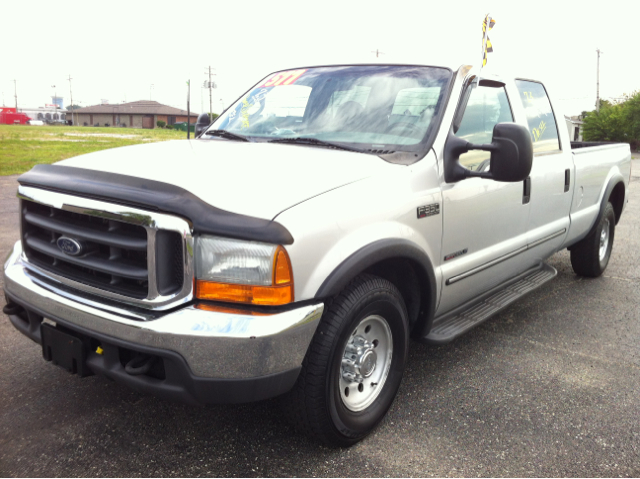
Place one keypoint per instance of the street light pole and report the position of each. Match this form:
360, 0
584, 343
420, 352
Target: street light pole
71, 97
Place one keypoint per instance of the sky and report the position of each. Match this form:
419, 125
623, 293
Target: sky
123, 51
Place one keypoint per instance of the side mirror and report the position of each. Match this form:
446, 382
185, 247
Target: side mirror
511, 155
202, 123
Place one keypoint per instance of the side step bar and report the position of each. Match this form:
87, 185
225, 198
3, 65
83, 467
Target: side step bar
457, 322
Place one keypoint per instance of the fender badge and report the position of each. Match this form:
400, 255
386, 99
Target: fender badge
428, 210
69, 246
456, 254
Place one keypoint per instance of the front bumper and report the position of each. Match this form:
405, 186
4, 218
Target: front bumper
260, 353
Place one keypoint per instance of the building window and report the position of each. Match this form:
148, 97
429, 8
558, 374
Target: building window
171, 120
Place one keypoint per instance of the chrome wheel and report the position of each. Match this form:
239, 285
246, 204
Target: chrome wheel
365, 363
604, 239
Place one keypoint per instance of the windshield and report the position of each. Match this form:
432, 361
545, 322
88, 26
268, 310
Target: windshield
371, 108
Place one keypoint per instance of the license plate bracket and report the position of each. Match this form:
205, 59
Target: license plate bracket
64, 350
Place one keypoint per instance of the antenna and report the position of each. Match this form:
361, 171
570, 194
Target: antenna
377, 52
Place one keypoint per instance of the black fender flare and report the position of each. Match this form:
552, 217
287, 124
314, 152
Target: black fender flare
614, 181
376, 252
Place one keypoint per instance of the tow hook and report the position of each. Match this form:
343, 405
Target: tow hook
140, 365
12, 308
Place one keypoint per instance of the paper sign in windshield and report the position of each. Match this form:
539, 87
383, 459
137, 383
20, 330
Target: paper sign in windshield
283, 78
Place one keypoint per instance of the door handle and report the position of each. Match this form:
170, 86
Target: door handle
567, 179
526, 191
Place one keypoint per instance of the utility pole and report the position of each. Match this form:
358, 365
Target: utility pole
188, 109
377, 52
210, 85
598, 82
15, 94
71, 97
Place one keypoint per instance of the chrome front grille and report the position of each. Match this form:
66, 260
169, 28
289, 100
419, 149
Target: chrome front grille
131, 255
114, 256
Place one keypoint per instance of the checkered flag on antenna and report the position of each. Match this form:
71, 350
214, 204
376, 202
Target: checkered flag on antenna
487, 24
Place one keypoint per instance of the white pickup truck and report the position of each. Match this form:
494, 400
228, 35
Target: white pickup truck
296, 245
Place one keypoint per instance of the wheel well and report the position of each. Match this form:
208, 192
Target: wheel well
413, 285
617, 200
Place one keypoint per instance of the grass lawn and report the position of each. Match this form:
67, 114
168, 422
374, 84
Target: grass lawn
22, 146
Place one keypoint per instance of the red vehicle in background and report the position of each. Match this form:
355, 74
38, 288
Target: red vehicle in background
9, 116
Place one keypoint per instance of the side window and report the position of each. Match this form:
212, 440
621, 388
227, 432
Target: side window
486, 107
542, 123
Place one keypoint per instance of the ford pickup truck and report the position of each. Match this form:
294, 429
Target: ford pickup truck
293, 249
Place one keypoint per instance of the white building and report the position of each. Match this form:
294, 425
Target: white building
574, 126
47, 113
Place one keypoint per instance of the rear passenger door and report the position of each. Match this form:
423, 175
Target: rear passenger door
484, 221
551, 174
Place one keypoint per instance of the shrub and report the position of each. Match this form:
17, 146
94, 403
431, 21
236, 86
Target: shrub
161, 123
169, 127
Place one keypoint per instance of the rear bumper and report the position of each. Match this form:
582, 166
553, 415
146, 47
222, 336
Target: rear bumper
208, 356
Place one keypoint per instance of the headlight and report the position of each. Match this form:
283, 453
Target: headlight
242, 271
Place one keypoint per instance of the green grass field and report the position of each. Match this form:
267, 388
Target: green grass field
23, 146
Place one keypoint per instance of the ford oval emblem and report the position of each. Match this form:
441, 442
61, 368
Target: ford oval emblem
69, 246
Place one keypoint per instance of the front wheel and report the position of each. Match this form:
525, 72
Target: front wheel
590, 256
354, 365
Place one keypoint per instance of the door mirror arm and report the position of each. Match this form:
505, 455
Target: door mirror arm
453, 170
511, 155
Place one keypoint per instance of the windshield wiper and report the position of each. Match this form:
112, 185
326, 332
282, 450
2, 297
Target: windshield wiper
303, 140
226, 134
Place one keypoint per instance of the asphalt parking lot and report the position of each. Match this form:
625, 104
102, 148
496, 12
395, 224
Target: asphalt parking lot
549, 387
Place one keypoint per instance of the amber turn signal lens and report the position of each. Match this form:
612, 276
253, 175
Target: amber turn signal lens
248, 294
282, 269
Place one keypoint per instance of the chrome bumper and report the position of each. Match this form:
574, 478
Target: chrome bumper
214, 344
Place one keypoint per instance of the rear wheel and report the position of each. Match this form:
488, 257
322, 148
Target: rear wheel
590, 256
354, 365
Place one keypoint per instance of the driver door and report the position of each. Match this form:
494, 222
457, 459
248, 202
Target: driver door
484, 221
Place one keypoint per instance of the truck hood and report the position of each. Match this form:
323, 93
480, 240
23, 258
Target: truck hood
254, 179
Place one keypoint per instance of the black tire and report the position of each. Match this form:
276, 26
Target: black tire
590, 256
317, 402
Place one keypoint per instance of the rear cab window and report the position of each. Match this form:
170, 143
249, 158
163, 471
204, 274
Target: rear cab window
540, 118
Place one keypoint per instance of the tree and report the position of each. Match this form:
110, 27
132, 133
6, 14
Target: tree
612, 122
73, 107
632, 119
